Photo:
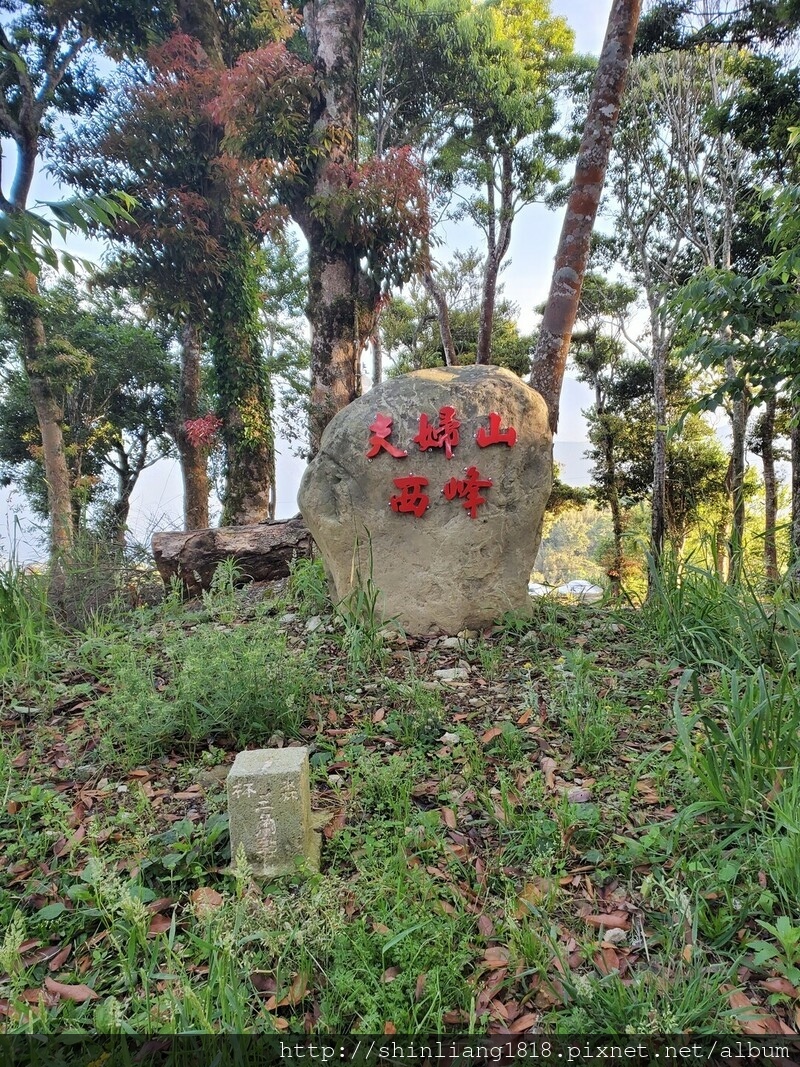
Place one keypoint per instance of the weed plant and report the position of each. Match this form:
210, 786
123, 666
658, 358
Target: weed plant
239, 684
24, 624
585, 714
308, 586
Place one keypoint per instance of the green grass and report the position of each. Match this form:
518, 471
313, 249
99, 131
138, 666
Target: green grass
599, 760
24, 624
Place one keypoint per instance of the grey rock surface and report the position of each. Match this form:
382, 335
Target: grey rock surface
444, 571
269, 806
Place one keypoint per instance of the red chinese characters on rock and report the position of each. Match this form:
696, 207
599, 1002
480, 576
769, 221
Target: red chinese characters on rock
494, 435
381, 432
411, 500
468, 489
443, 435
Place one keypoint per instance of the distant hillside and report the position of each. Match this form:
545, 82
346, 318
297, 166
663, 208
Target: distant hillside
575, 468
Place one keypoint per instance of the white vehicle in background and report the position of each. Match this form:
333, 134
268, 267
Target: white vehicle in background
580, 589
537, 589
577, 589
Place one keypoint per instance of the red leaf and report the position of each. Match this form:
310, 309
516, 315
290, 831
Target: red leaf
490, 735
77, 993
449, 817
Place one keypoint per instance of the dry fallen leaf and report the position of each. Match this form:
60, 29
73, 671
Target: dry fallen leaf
206, 900
77, 993
485, 925
780, 985
524, 1022
752, 1019
159, 924
615, 920
533, 894
548, 765
58, 961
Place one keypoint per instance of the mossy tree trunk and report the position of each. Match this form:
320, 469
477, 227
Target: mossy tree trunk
245, 395
340, 306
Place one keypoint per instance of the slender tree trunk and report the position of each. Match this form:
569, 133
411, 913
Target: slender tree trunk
552, 347
193, 461
499, 240
377, 357
22, 311
336, 307
436, 293
740, 410
770, 489
795, 537
488, 300
121, 507
616, 517
658, 521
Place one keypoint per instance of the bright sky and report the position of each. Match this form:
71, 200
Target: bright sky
157, 501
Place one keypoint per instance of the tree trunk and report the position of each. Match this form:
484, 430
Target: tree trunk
552, 347
245, 396
499, 240
483, 353
377, 356
335, 30
658, 521
49, 414
770, 490
193, 461
22, 310
616, 513
740, 410
794, 548
436, 294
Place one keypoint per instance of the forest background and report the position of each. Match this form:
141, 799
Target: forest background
577, 537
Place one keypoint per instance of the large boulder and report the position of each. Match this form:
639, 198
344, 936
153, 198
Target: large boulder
453, 544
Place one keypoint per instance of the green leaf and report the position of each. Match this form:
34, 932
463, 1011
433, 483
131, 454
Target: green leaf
51, 911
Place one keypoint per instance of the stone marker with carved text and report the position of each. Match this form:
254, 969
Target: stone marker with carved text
269, 805
441, 477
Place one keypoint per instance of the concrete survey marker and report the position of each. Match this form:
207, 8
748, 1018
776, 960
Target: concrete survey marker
269, 804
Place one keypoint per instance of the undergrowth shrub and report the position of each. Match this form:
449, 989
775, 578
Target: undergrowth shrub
239, 684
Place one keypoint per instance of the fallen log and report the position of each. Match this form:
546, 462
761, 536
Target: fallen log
262, 551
